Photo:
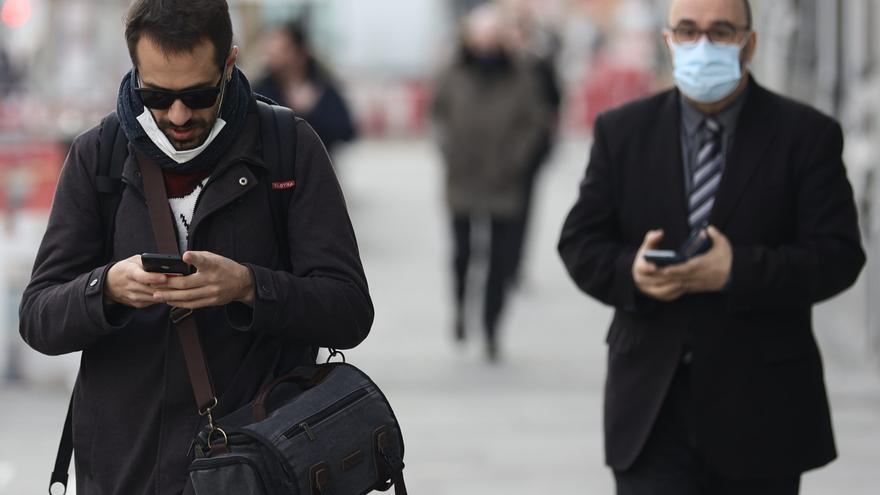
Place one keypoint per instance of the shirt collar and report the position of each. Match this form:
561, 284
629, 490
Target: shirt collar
692, 118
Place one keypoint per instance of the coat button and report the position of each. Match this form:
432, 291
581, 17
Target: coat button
93, 283
243, 181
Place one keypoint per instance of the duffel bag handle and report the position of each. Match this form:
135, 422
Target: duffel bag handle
303, 380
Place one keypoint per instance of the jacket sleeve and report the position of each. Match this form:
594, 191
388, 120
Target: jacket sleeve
591, 244
826, 255
62, 308
533, 123
325, 300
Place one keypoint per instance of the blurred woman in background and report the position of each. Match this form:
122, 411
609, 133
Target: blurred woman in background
298, 80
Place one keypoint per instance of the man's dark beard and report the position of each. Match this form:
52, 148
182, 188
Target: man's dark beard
202, 128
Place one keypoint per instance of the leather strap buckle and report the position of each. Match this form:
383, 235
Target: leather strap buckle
180, 314
333, 354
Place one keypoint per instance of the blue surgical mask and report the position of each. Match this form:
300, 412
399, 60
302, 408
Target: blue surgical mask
706, 72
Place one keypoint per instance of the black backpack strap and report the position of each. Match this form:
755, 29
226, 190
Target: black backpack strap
278, 130
109, 172
112, 153
399, 483
279, 140
65, 452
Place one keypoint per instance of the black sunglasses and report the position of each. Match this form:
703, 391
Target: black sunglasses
195, 99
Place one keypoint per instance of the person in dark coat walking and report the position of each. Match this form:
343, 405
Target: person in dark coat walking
297, 78
714, 381
540, 47
260, 310
491, 122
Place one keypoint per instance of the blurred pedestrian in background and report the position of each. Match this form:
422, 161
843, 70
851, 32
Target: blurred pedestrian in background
491, 122
539, 45
297, 79
714, 382
9, 75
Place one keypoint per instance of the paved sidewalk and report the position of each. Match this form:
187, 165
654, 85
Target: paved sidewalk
531, 425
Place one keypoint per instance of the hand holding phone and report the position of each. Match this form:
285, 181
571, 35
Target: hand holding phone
662, 257
650, 280
169, 264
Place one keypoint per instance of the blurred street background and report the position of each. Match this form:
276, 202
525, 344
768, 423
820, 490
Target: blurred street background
532, 422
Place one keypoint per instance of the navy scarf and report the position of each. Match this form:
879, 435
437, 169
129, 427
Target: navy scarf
236, 101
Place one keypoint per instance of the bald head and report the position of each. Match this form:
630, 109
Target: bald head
706, 12
485, 29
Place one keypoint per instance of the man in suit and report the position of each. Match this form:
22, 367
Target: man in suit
715, 381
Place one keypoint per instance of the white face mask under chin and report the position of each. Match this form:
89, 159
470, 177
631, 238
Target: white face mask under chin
148, 123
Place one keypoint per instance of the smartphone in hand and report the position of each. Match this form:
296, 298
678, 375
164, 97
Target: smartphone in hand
169, 264
696, 244
662, 257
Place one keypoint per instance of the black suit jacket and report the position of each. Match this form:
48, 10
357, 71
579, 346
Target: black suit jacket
787, 207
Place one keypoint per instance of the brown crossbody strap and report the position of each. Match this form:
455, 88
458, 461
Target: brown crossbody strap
187, 331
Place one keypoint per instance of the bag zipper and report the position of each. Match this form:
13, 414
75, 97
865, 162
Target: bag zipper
306, 425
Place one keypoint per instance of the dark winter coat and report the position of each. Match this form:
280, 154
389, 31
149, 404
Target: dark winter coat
491, 124
134, 415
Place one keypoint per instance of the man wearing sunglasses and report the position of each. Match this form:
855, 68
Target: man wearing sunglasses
714, 382
262, 305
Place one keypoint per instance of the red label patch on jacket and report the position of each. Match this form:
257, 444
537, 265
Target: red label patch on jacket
288, 184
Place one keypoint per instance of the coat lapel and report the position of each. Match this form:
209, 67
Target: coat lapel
668, 169
754, 133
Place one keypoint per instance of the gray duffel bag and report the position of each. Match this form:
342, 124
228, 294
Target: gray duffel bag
321, 429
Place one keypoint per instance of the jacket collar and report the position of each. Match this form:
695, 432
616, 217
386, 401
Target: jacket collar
692, 119
246, 148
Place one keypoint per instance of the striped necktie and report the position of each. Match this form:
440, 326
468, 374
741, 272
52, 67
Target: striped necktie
706, 175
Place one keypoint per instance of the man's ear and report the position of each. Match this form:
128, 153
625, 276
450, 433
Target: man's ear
667, 41
750, 48
230, 61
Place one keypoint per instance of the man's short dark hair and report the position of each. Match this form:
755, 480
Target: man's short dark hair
178, 26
